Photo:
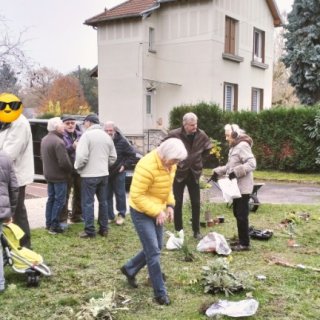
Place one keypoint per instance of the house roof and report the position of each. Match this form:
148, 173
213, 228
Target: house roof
137, 8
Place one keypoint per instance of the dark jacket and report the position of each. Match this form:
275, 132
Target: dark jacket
125, 154
56, 162
197, 147
9, 187
69, 139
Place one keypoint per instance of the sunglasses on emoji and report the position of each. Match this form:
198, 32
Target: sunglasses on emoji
14, 105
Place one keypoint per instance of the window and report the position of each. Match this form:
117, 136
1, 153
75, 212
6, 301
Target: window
258, 45
230, 36
230, 99
151, 39
148, 104
257, 100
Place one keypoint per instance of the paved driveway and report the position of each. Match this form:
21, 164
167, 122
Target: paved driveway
270, 192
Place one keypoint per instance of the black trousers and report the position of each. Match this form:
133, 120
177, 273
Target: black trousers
20, 218
74, 182
194, 193
241, 213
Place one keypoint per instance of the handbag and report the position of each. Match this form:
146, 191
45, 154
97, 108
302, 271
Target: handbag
229, 188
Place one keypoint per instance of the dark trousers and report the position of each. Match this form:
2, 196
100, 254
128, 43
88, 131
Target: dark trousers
241, 213
194, 193
74, 182
20, 218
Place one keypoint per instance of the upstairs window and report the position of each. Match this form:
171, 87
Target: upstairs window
230, 99
257, 100
148, 104
258, 45
152, 40
230, 36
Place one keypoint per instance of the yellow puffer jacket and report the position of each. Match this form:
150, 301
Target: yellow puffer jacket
151, 187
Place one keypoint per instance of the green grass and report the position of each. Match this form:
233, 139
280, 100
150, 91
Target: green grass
84, 268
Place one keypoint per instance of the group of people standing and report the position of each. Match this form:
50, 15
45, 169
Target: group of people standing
91, 163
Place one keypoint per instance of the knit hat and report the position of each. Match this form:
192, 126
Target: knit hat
53, 123
92, 118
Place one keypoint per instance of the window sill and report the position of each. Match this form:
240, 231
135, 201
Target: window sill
152, 51
232, 57
260, 65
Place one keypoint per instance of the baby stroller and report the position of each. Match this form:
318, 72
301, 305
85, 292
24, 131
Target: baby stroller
21, 259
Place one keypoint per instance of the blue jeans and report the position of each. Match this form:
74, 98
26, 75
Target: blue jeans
57, 195
117, 186
2, 281
90, 187
151, 238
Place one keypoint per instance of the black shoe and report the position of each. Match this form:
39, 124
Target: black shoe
163, 300
240, 247
197, 235
103, 233
131, 279
85, 235
56, 230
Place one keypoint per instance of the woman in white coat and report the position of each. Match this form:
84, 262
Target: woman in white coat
241, 164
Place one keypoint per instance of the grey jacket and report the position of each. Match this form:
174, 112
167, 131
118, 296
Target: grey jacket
242, 162
9, 187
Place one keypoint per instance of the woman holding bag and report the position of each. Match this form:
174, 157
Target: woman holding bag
241, 164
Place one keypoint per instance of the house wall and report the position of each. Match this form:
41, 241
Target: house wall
187, 66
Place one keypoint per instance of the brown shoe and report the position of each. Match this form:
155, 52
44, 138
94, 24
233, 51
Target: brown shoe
85, 235
103, 233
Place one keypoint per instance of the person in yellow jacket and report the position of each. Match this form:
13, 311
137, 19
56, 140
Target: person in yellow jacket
151, 205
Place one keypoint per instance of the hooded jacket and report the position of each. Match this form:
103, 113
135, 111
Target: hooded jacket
242, 162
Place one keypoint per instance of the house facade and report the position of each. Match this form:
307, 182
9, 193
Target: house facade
154, 55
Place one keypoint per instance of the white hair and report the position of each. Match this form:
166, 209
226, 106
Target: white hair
53, 123
190, 116
172, 148
110, 124
229, 128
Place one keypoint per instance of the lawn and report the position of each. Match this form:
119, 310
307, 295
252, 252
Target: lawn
87, 268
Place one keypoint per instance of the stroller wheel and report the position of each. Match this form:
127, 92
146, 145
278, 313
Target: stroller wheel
253, 203
33, 278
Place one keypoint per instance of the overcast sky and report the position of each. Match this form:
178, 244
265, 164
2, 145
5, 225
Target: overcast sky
55, 35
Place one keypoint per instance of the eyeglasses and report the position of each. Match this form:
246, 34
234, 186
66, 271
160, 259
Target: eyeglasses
14, 105
68, 123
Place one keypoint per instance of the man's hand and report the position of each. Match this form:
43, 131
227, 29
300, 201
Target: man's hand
170, 214
214, 177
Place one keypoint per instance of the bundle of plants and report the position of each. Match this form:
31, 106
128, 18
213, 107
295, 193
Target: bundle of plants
217, 277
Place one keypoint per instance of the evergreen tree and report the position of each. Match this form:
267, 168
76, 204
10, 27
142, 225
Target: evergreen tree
8, 80
303, 50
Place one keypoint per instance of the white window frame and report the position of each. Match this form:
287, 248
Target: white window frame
230, 96
258, 45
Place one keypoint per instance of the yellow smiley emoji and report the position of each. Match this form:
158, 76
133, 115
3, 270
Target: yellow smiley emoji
10, 107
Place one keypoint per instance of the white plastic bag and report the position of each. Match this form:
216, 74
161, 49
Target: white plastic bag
175, 242
243, 308
229, 188
214, 242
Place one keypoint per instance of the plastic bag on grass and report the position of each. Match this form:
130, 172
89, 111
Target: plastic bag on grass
214, 242
243, 308
175, 242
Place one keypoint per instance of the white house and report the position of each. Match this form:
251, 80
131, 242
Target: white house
154, 55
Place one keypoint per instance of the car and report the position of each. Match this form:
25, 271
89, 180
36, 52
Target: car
39, 130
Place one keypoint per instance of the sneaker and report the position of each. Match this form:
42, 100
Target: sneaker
85, 235
131, 279
240, 247
163, 300
55, 230
112, 220
120, 220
